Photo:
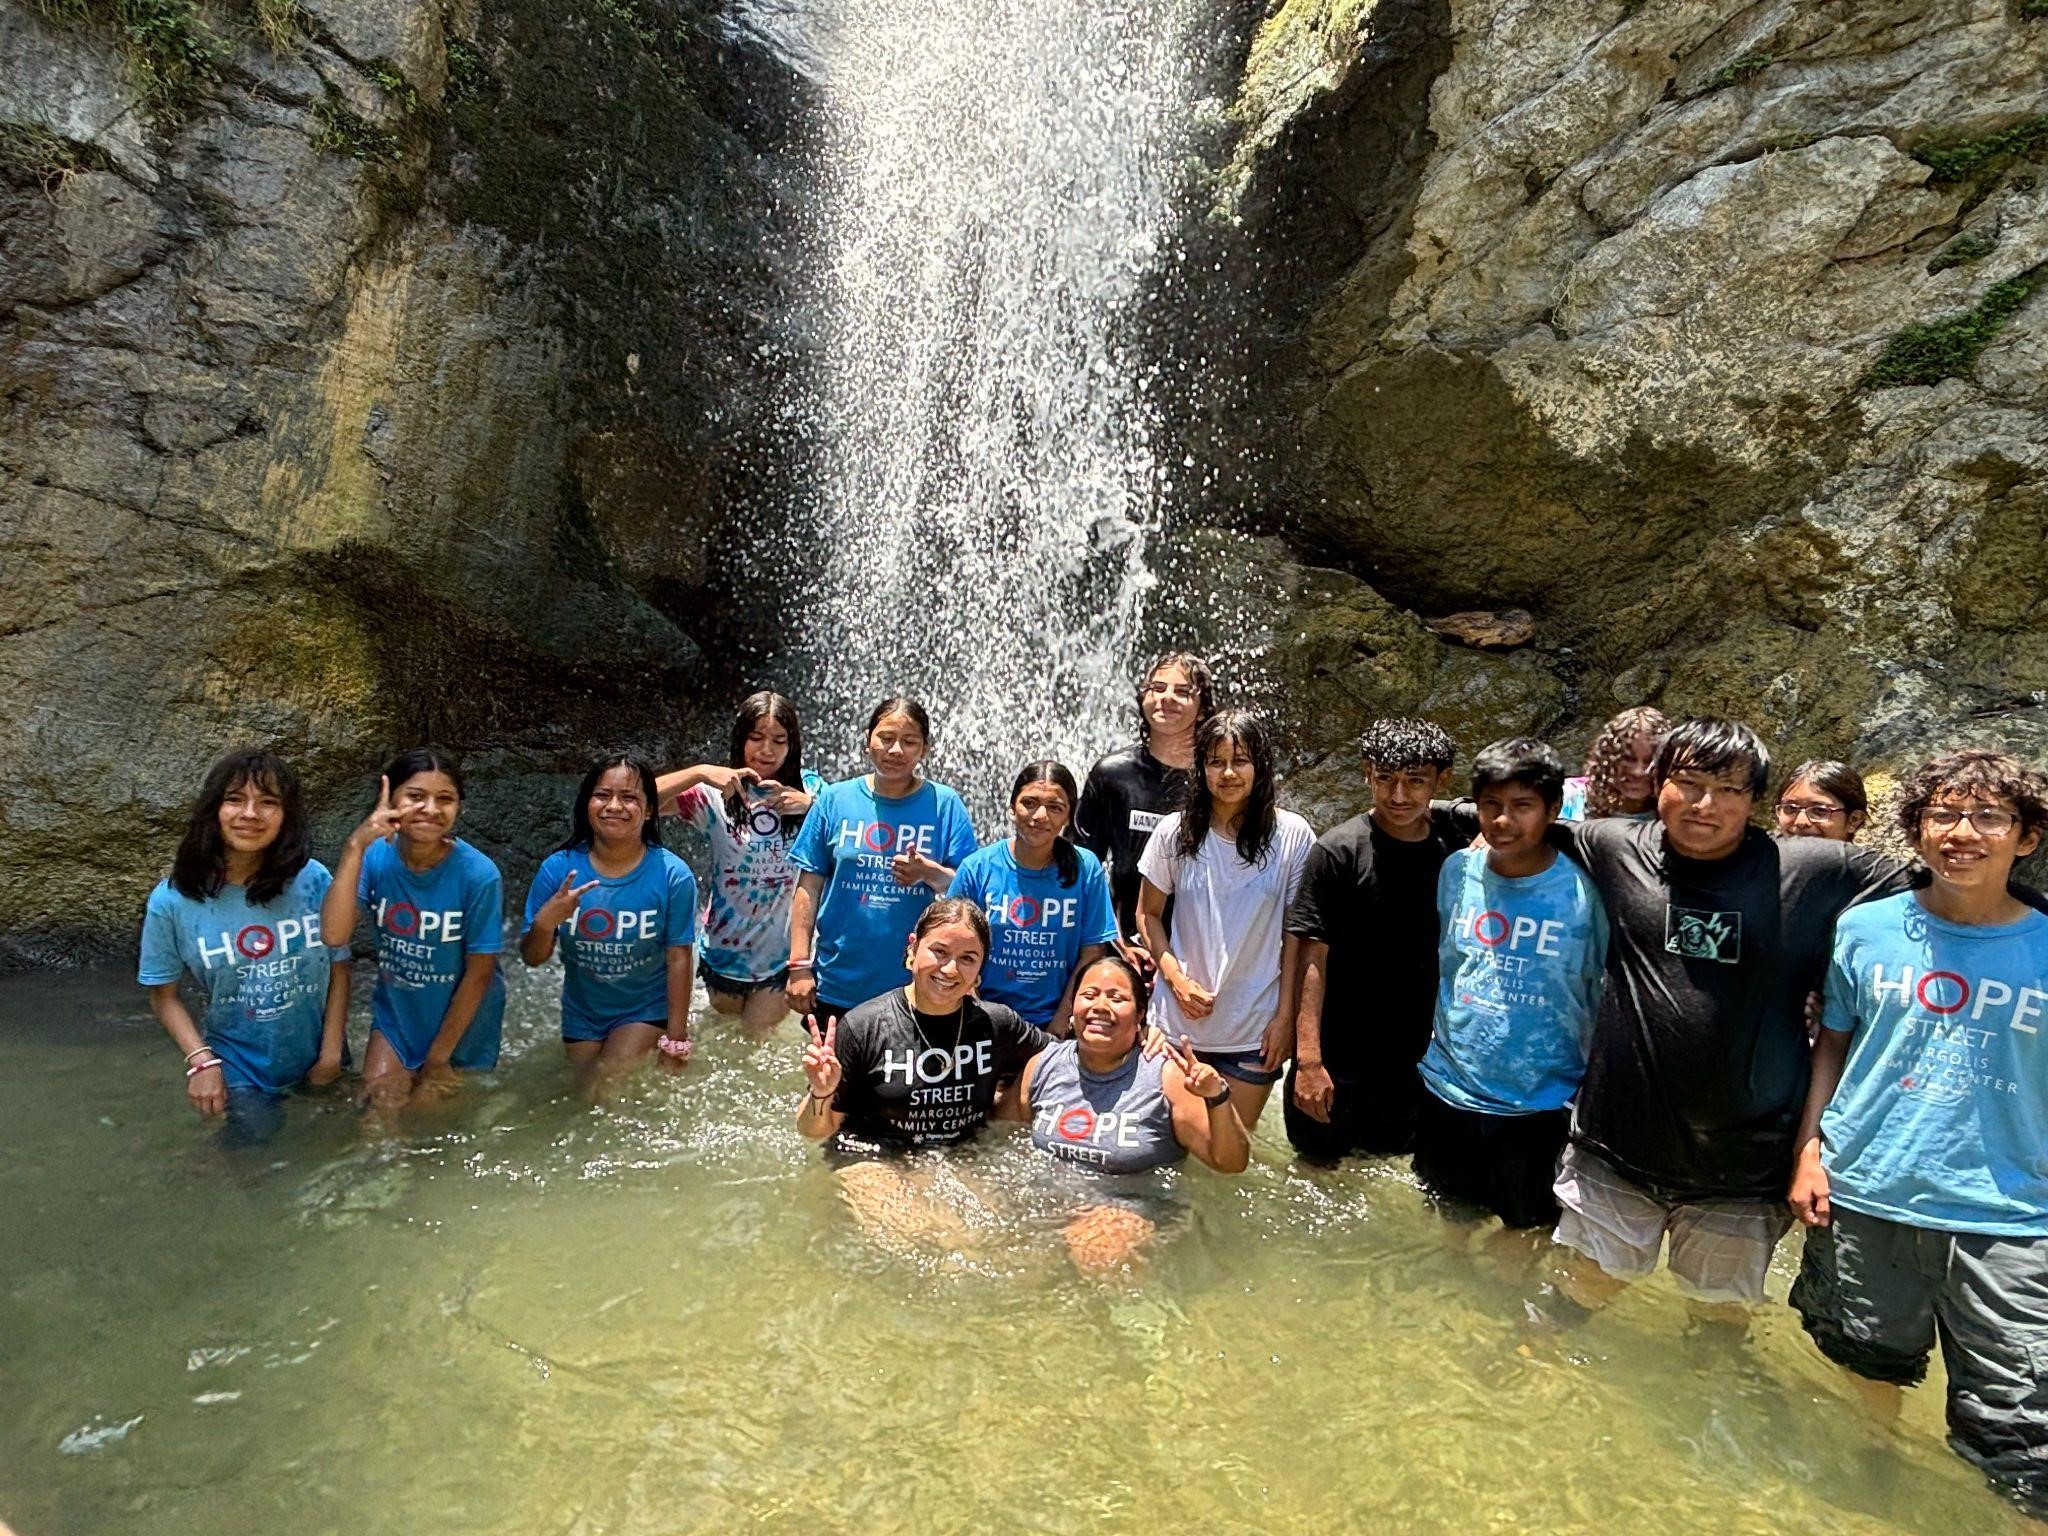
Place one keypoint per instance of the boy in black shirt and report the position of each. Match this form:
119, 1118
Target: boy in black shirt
1366, 918
1697, 1068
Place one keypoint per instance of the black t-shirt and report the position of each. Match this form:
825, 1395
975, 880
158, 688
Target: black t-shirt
917, 1079
1126, 795
1698, 1064
1372, 899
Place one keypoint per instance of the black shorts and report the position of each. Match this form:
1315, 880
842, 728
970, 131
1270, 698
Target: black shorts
729, 986
1505, 1164
1370, 1115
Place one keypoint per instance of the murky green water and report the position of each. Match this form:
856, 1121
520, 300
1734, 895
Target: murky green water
536, 1317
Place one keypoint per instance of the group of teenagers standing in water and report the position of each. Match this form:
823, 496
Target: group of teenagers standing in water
1609, 1007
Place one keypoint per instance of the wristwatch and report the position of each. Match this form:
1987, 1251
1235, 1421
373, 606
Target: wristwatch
1222, 1098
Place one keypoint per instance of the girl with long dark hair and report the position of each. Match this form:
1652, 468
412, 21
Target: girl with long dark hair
240, 913
873, 853
751, 808
437, 906
1232, 861
1047, 902
624, 910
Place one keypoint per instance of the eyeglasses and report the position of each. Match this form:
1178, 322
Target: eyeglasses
1989, 820
1798, 810
1170, 691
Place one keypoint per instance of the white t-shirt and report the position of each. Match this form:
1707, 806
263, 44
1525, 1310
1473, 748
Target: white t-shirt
1229, 921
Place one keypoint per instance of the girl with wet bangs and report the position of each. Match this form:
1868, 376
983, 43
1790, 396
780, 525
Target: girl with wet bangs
240, 914
873, 853
437, 907
623, 910
751, 808
1047, 902
1617, 779
1232, 862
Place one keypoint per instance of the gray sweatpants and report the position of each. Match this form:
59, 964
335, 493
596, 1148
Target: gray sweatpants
1876, 1295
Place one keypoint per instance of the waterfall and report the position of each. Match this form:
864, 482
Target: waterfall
1001, 189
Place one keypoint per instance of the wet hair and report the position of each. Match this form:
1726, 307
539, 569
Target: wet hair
1255, 829
899, 704
580, 833
1837, 780
1610, 750
952, 909
1712, 745
1975, 771
1394, 744
1049, 771
1520, 760
1199, 678
410, 765
1141, 989
755, 708
200, 867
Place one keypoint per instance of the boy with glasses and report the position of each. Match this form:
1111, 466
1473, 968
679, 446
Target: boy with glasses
1922, 1172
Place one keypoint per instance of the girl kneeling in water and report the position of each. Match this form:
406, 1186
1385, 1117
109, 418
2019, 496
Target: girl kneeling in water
438, 907
1099, 1102
625, 911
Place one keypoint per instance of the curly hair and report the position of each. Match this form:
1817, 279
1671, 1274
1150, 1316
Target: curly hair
1394, 744
1975, 771
1610, 750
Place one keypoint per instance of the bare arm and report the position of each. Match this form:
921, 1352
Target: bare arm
1062, 1024
801, 993
669, 786
477, 971
1213, 1134
1808, 1195
333, 1026
815, 1117
206, 1090
682, 969
1013, 1099
1278, 1043
1313, 1090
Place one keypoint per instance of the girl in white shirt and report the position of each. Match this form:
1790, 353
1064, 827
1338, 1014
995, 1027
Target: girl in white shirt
1232, 861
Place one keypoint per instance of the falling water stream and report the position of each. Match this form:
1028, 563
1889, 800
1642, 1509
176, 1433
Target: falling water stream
1003, 189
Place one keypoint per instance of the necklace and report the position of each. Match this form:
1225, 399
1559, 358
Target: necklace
917, 1018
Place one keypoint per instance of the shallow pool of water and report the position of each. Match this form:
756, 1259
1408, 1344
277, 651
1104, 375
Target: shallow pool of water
534, 1316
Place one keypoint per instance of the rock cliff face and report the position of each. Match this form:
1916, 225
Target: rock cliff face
371, 375
1708, 332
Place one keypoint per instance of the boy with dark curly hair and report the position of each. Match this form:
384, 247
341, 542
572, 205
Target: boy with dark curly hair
1922, 1170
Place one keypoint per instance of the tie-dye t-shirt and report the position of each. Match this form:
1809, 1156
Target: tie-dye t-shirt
745, 932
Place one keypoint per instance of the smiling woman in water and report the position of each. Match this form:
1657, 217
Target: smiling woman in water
240, 912
438, 909
625, 911
873, 852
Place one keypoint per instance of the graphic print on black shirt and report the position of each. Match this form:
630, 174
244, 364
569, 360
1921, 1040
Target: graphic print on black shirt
1698, 1064
917, 1079
1123, 800
1703, 935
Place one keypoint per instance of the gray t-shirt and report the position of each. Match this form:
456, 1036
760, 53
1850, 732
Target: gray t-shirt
1115, 1122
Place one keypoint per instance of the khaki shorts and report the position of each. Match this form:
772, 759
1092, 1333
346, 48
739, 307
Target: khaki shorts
1720, 1249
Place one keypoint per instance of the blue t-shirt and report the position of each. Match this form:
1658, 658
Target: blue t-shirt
264, 969
850, 836
615, 952
1037, 927
1941, 1117
428, 925
1519, 963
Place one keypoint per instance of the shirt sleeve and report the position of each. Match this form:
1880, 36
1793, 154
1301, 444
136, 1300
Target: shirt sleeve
1596, 944
812, 850
546, 881
1297, 855
855, 1049
679, 923
1869, 875
1092, 815
1462, 815
160, 959
693, 805
319, 881
1157, 862
956, 834
1098, 913
1016, 1041
1321, 873
483, 913
966, 881
1838, 1006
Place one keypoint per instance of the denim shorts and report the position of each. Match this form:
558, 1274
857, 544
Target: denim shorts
730, 986
1244, 1066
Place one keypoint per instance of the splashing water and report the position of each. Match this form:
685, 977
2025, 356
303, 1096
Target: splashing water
1003, 187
